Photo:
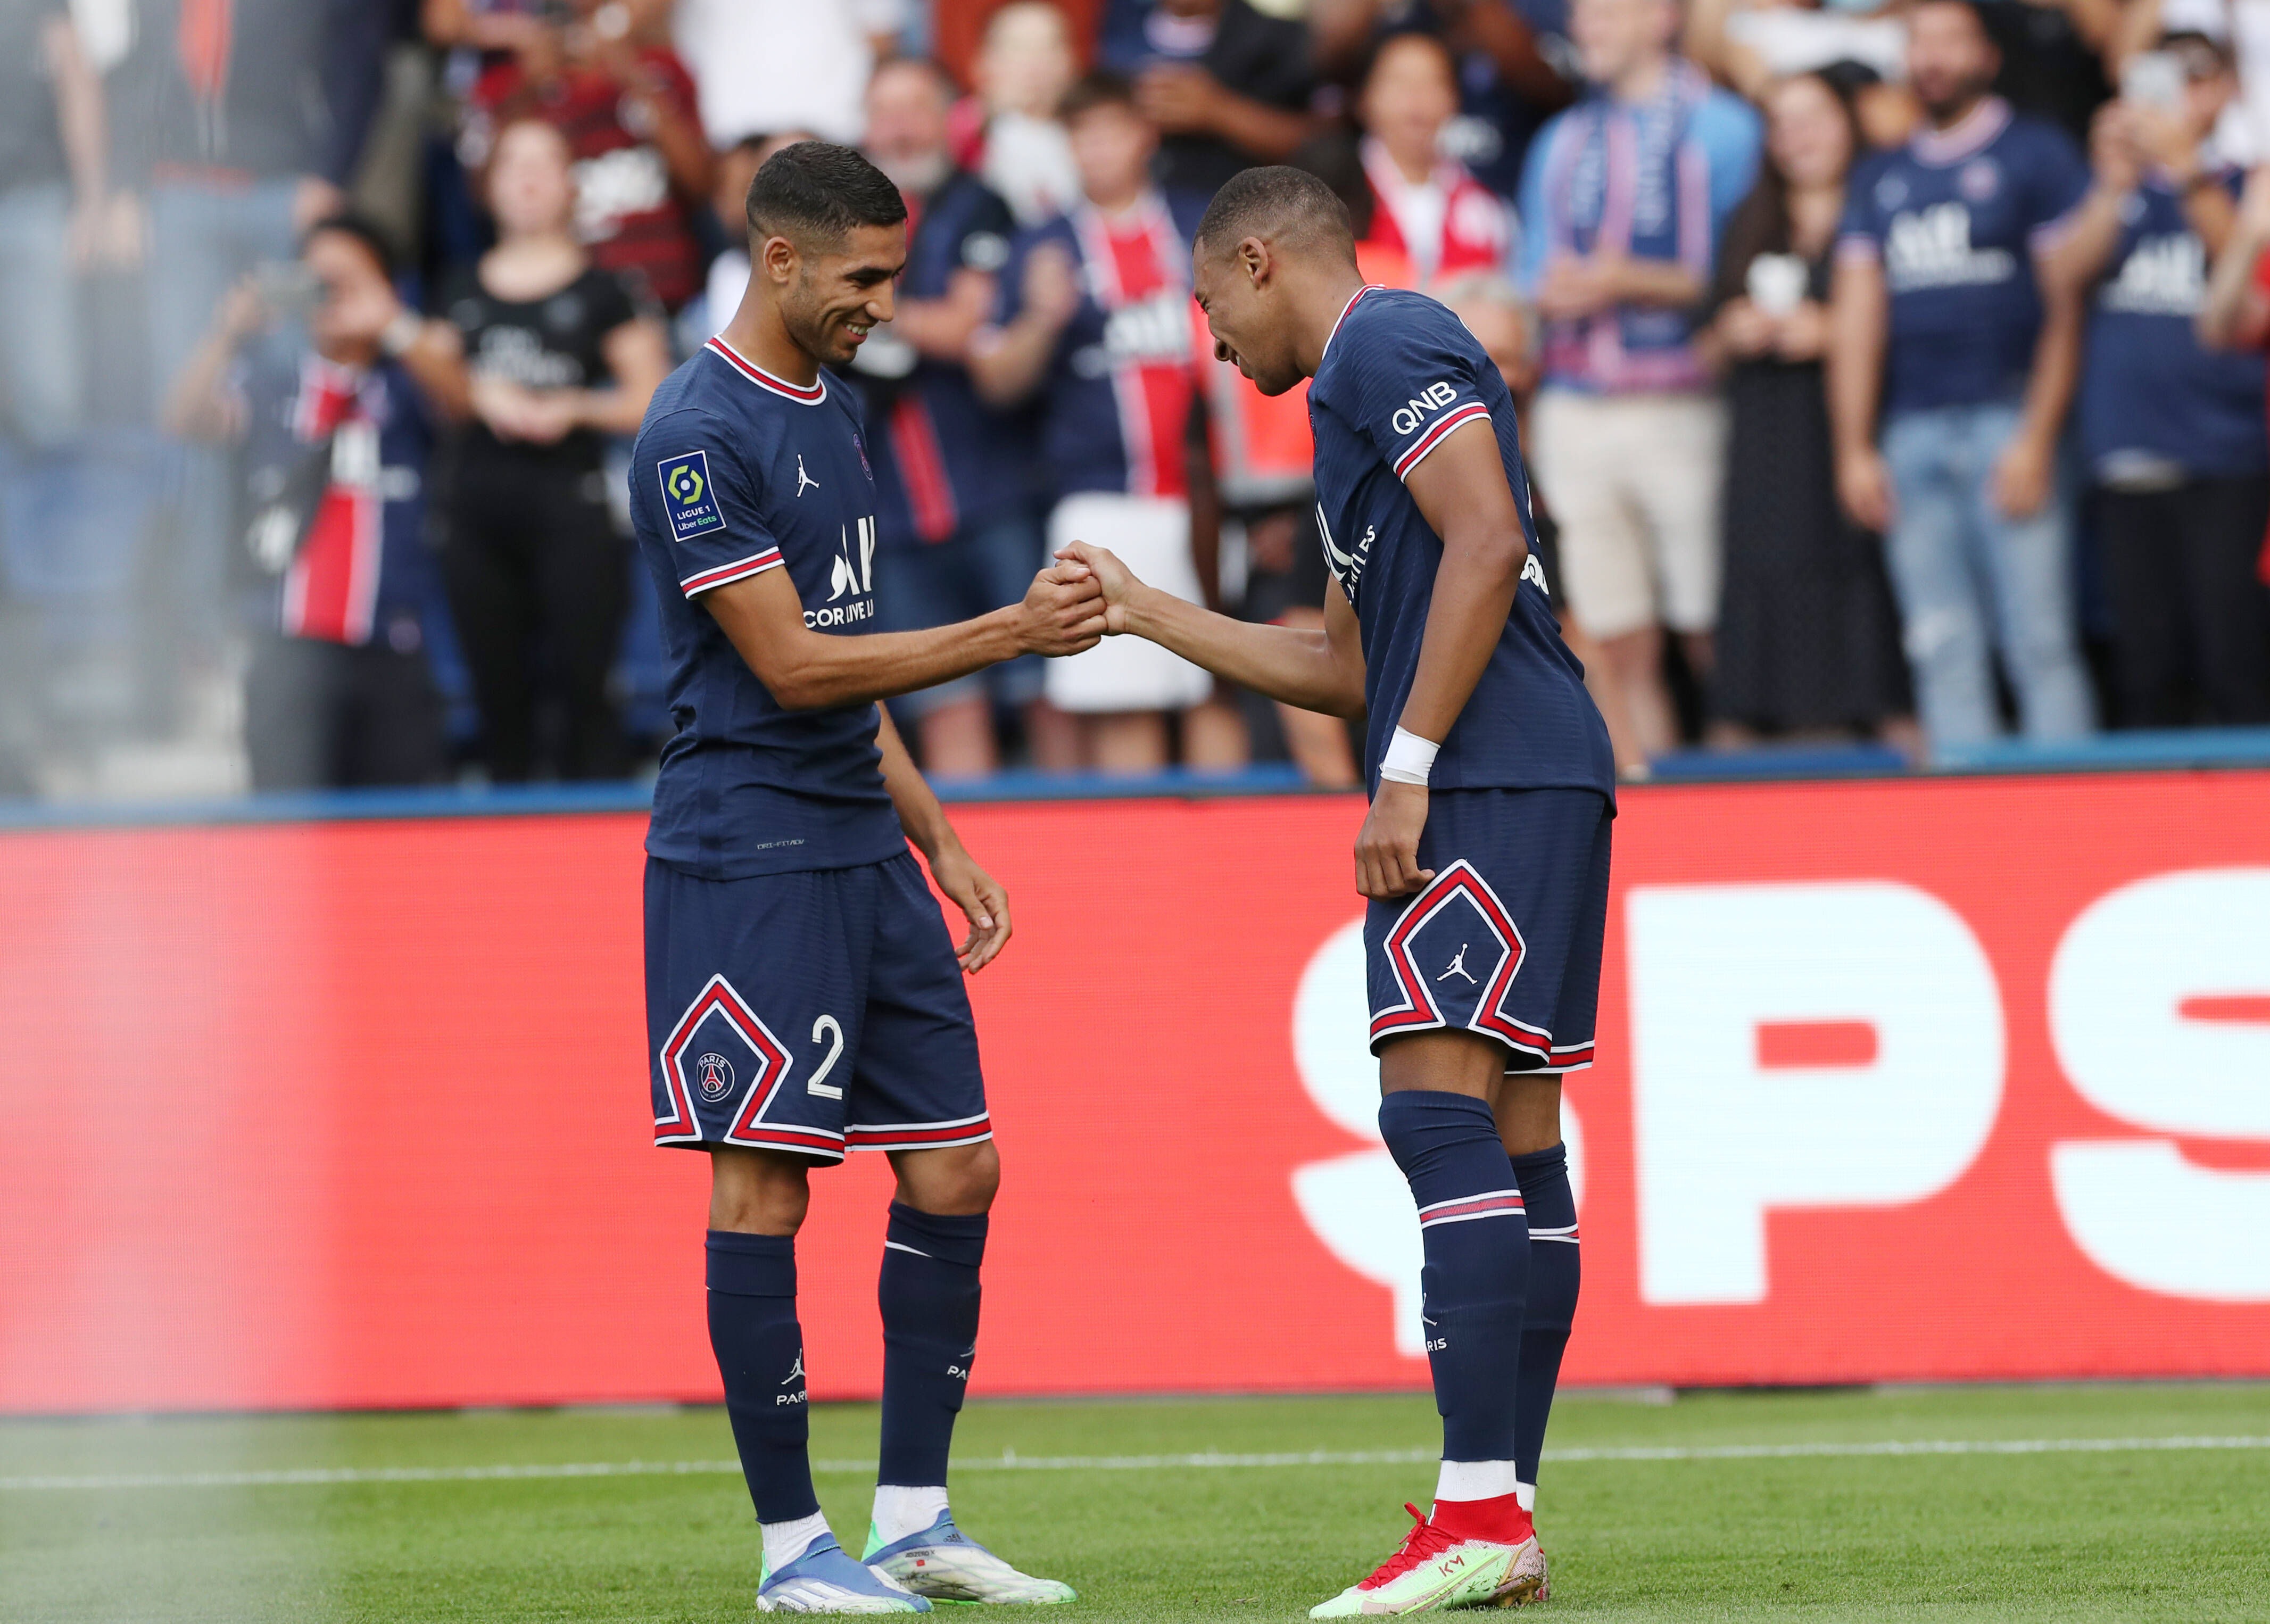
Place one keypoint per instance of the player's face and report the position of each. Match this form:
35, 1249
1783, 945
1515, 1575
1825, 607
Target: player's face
1251, 328
839, 293
1950, 59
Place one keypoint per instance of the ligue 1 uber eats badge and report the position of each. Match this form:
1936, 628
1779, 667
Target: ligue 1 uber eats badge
686, 498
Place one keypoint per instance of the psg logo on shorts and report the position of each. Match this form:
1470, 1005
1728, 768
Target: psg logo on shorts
714, 1073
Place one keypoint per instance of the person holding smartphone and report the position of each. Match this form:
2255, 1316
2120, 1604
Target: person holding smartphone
2173, 430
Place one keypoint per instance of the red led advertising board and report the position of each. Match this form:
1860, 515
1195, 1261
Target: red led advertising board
1933, 1080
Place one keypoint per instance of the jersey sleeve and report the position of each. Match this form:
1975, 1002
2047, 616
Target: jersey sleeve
1412, 388
2057, 180
1860, 234
707, 503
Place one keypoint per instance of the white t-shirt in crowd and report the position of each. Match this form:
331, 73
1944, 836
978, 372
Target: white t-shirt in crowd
764, 66
1028, 161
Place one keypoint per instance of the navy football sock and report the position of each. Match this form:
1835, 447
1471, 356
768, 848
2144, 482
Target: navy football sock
759, 1348
1555, 1272
1470, 1221
929, 1293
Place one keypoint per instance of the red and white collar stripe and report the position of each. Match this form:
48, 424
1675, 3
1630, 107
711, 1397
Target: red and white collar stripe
764, 380
1368, 287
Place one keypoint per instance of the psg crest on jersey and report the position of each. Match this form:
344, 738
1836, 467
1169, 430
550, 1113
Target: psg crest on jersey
713, 1074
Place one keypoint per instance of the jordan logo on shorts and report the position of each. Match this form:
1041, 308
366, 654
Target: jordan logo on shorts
796, 1375
1458, 967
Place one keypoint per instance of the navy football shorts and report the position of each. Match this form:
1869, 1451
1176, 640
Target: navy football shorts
1506, 940
812, 1013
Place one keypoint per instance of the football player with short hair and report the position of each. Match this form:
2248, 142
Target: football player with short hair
1485, 853
804, 997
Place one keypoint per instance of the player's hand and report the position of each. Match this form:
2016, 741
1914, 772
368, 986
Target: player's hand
1113, 579
1061, 613
2022, 476
1865, 486
1387, 849
979, 896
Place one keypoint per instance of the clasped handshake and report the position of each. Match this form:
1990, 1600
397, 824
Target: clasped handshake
1075, 602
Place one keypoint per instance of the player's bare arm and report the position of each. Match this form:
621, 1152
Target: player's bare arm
806, 669
1317, 670
1462, 492
974, 891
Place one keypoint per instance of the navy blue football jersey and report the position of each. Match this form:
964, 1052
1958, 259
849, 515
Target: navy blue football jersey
737, 472
1955, 218
1399, 374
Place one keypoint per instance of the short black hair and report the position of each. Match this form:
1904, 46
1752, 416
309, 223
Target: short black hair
1099, 88
1977, 10
1280, 203
816, 192
363, 229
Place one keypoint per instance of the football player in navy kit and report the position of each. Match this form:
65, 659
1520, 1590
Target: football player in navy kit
804, 997
1485, 853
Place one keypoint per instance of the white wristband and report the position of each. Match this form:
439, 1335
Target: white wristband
1409, 758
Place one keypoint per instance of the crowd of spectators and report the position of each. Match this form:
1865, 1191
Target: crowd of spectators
1892, 369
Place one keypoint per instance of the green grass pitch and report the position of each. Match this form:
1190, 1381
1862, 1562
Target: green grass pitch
118, 1521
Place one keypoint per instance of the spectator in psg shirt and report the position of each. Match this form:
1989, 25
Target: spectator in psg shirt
628, 109
2174, 432
335, 419
1096, 328
1940, 309
537, 574
955, 534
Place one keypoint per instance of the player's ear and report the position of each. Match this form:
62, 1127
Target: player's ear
779, 258
1253, 258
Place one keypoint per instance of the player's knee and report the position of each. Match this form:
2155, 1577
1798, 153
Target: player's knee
960, 1181
758, 1192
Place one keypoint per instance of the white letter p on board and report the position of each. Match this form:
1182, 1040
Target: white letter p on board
1724, 1136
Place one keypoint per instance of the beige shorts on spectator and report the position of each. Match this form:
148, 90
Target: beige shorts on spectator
1634, 480
1152, 536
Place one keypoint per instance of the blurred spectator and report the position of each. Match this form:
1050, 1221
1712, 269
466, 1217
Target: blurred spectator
627, 109
785, 65
1508, 67
334, 411
226, 109
1808, 639
536, 571
1941, 311
952, 482
2174, 433
1227, 83
729, 273
1097, 325
1007, 133
1623, 200
63, 550
1411, 203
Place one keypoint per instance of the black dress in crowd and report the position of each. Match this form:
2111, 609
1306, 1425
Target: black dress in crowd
537, 573
1809, 635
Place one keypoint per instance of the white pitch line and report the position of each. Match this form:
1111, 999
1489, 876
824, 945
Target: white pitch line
1012, 1462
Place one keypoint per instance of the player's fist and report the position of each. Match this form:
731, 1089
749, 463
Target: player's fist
1061, 613
1387, 847
1114, 581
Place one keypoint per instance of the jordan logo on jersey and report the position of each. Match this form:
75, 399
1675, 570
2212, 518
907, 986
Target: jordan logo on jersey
804, 481
852, 572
